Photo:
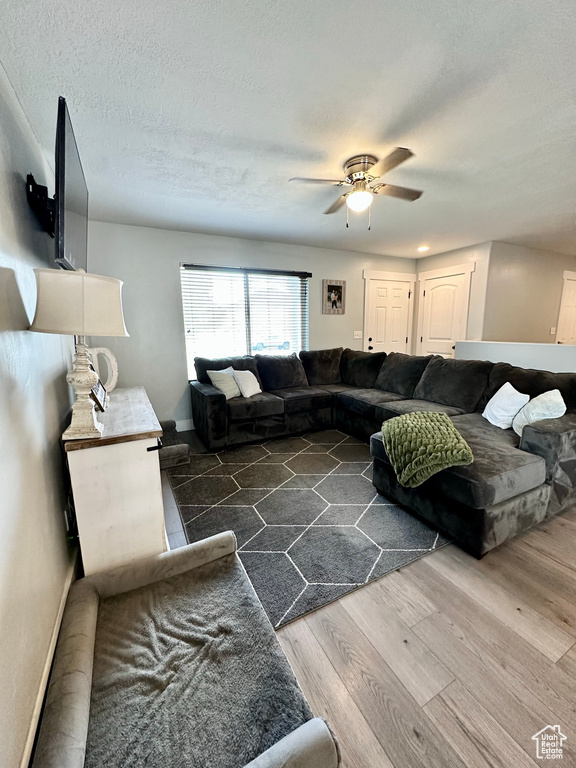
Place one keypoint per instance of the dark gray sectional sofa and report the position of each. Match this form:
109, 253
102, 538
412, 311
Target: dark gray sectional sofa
513, 483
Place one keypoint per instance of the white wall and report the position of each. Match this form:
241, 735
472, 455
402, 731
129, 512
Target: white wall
544, 357
480, 255
148, 261
34, 557
523, 293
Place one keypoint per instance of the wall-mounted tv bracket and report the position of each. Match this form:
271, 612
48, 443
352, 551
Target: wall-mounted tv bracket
43, 206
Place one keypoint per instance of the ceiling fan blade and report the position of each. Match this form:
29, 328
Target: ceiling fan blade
336, 182
401, 192
397, 156
337, 205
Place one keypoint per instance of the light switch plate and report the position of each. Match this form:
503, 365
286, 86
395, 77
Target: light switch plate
357, 334
552, 331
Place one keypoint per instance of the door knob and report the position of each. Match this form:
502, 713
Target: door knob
370, 348
370, 339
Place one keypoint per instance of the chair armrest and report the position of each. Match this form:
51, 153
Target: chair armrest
555, 441
162, 566
64, 725
309, 746
209, 414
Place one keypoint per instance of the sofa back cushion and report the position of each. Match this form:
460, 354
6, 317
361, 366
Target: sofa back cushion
454, 382
530, 382
322, 366
401, 373
281, 371
203, 364
360, 369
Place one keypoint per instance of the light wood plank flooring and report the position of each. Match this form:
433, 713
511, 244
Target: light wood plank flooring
449, 661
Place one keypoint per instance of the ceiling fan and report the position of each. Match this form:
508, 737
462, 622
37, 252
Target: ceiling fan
362, 181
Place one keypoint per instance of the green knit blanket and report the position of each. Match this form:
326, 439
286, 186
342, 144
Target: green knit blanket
422, 443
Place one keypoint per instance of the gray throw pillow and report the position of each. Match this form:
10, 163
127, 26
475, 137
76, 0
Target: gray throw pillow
401, 373
360, 369
322, 366
454, 382
281, 372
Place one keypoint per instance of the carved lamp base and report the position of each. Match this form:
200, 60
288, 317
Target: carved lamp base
82, 378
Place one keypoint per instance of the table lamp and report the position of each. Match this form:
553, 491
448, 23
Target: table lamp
79, 304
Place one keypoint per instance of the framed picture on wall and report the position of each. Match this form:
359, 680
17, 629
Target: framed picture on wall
333, 297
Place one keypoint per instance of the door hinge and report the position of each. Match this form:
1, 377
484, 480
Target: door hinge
424, 294
406, 339
409, 294
421, 339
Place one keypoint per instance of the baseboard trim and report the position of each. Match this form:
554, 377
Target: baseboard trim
29, 744
184, 425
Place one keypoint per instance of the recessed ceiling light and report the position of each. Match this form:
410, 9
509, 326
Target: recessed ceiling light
423, 248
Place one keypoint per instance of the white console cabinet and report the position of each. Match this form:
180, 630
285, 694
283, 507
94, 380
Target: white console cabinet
116, 484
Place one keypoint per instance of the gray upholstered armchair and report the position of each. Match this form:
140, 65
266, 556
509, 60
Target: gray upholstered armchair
172, 661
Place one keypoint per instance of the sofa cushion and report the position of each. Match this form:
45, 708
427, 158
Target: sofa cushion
475, 424
255, 407
530, 382
203, 364
281, 371
389, 410
322, 366
360, 369
334, 389
401, 373
454, 382
300, 399
364, 401
499, 471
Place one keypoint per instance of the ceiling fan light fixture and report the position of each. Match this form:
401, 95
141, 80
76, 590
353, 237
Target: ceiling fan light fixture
360, 198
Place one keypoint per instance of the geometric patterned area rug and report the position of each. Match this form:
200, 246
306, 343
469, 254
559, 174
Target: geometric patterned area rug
310, 525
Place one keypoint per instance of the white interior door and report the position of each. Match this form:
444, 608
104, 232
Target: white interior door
566, 333
444, 312
388, 315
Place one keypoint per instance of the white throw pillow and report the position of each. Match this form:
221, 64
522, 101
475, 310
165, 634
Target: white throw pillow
247, 382
224, 381
548, 405
505, 404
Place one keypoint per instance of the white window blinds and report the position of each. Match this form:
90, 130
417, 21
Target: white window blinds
243, 312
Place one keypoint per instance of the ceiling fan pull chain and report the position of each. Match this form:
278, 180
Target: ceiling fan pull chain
369, 218
347, 217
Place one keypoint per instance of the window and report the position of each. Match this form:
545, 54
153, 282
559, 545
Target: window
243, 312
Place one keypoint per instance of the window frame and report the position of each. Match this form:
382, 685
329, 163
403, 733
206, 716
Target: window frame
247, 272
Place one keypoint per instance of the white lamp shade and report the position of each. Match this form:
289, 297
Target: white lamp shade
78, 304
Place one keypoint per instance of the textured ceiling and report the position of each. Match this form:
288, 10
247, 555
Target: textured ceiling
193, 115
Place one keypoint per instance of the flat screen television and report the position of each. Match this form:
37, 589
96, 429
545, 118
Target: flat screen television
71, 199
65, 216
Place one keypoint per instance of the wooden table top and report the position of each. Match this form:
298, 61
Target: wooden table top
129, 416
